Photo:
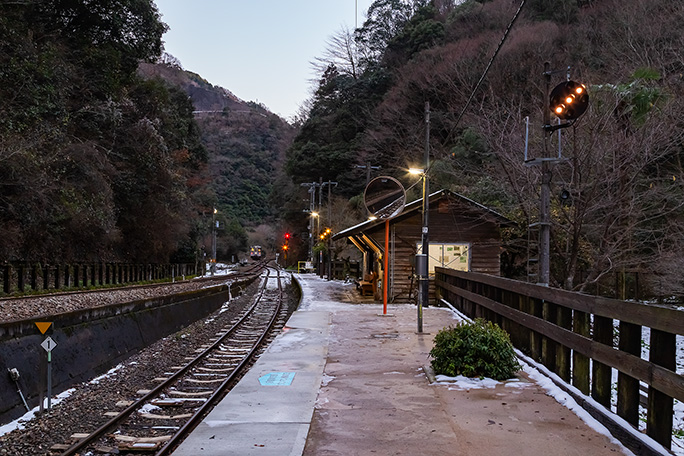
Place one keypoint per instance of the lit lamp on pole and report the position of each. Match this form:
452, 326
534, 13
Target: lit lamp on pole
312, 226
422, 257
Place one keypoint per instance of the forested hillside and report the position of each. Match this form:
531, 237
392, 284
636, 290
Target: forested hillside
96, 164
103, 156
622, 177
245, 145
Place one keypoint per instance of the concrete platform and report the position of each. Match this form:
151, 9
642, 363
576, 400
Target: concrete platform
344, 380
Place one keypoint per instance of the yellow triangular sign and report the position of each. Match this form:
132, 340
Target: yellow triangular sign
43, 326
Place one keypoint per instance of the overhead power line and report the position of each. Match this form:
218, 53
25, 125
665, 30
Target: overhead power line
484, 75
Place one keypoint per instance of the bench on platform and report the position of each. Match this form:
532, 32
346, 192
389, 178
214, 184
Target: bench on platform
367, 286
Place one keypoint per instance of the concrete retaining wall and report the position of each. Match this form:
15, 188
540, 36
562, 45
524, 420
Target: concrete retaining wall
90, 342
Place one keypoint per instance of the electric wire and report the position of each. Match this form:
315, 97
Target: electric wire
491, 61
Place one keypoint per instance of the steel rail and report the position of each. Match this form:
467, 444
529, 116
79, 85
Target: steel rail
195, 419
128, 411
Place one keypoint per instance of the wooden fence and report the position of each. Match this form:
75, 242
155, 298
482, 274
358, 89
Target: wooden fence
574, 335
23, 277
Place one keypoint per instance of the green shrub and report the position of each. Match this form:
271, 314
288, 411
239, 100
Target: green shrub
477, 349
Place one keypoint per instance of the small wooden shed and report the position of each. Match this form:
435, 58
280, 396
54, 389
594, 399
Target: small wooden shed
463, 235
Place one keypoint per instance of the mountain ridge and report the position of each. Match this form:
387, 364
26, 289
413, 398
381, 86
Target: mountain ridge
205, 95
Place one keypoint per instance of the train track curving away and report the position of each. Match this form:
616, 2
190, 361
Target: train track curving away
90, 406
158, 418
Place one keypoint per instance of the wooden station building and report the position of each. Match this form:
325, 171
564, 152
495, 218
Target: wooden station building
463, 235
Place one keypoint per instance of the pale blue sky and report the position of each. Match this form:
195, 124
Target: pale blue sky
259, 50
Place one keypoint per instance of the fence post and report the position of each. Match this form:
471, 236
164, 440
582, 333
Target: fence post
535, 307
21, 273
659, 415
46, 277
34, 277
628, 387
7, 279
58, 277
603, 333
564, 320
548, 345
77, 275
580, 362
67, 277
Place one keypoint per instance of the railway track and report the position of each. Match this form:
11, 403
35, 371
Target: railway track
157, 419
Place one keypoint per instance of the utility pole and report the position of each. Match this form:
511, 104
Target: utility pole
368, 168
330, 184
545, 199
312, 214
568, 101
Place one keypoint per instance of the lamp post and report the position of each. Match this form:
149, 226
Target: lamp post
423, 257
312, 225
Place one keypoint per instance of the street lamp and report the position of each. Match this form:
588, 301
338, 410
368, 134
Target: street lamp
422, 257
312, 226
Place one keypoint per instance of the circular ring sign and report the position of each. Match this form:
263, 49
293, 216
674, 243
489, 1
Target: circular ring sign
384, 197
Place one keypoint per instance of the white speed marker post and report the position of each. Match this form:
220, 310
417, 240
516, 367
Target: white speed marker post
48, 344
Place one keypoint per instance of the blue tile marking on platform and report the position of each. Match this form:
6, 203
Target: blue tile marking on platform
277, 379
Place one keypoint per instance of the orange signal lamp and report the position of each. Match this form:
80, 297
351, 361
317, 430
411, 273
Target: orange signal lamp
569, 100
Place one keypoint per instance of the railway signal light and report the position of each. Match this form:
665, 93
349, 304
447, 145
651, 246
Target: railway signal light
326, 233
287, 235
569, 100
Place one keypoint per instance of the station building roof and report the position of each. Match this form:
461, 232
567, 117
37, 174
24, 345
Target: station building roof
417, 206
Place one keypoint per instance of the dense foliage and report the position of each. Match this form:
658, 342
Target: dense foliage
477, 349
623, 210
95, 163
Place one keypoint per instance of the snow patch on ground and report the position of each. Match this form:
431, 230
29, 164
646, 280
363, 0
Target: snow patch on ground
461, 383
326, 379
28, 416
110, 373
148, 408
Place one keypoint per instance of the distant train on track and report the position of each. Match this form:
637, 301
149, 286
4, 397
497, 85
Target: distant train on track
255, 252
